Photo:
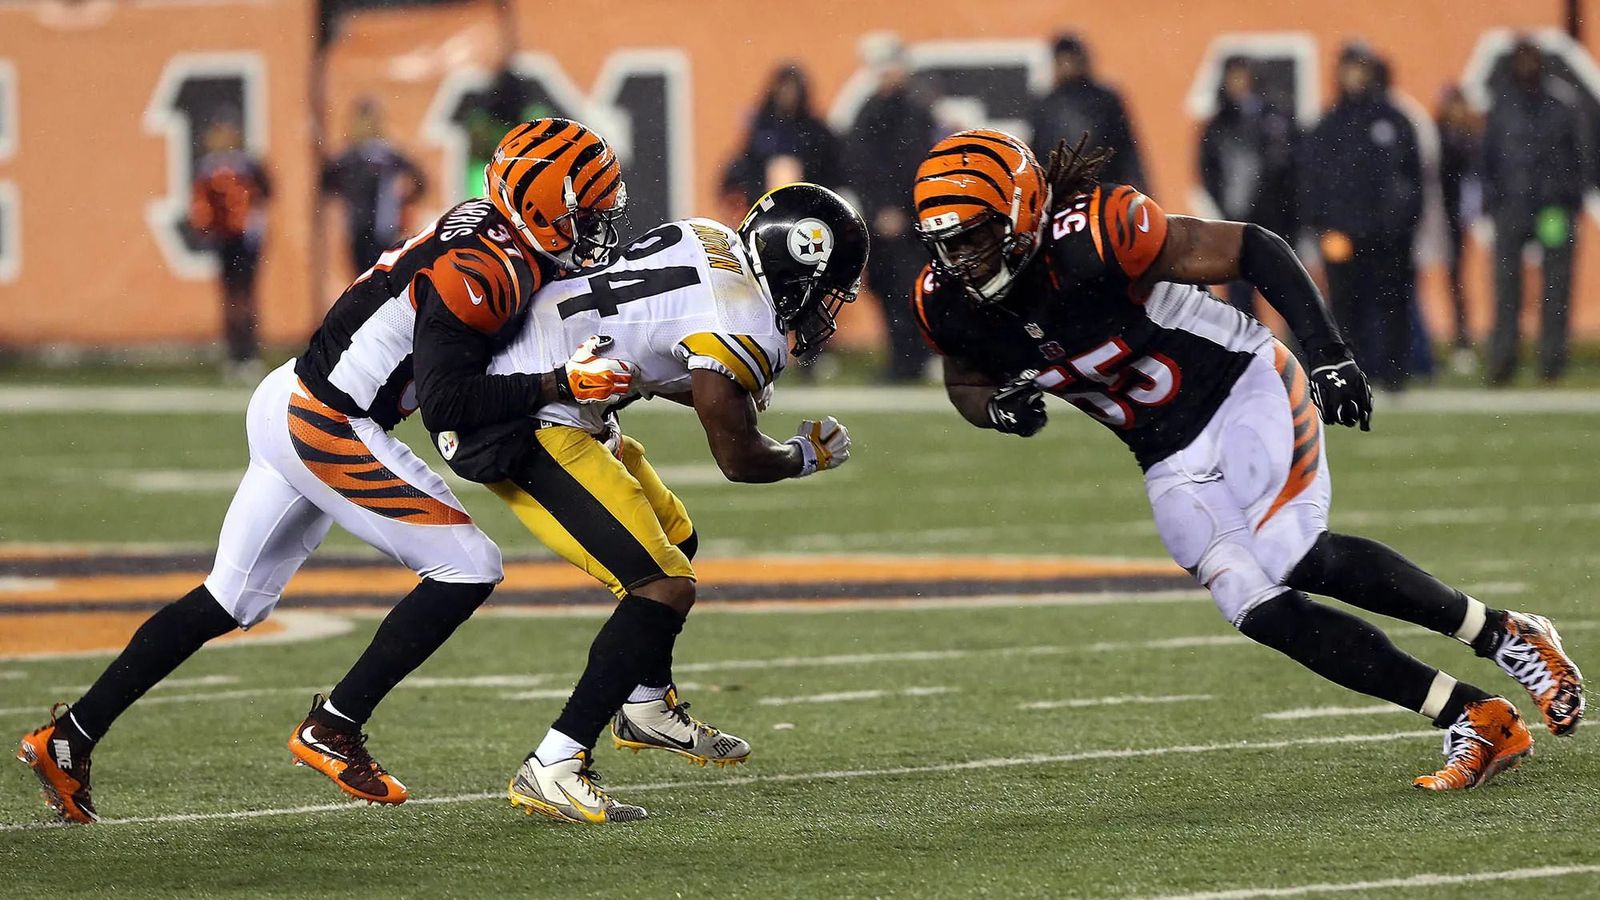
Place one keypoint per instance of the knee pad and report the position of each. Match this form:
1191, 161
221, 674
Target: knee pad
1236, 581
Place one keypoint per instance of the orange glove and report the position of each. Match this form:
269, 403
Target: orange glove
590, 377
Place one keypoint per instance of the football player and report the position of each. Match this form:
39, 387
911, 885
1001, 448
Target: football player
419, 327
704, 315
1043, 282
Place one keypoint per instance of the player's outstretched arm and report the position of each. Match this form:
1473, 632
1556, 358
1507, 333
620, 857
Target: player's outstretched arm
1202, 251
728, 413
1016, 407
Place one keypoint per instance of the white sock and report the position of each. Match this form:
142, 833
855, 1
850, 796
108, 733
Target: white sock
556, 747
1472, 623
1438, 695
328, 706
643, 694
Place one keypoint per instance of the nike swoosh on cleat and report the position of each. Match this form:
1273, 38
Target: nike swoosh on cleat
313, 743
596, 814
681, 745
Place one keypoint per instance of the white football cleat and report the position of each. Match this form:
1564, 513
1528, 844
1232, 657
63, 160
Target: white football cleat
568, 791
665, 724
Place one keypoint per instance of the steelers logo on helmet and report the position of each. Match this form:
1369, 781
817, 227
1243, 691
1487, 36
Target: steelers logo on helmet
810, 241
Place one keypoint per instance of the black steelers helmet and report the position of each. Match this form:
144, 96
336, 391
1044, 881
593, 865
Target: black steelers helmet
807, 247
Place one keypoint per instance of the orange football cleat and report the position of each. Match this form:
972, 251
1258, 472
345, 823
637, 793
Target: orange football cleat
62, 766
341, 754
1487, 739
1530, 651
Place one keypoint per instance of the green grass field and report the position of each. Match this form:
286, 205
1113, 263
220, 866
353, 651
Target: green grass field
947, 780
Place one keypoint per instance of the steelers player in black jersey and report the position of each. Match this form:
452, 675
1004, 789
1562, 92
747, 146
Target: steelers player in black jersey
1045, 282
417, 329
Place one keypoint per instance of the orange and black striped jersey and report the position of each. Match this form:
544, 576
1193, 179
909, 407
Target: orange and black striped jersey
418, 328
1152, 366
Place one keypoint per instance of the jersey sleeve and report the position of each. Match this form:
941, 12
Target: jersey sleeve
463, 301
925, 309
751, 361
481, 285
1131, 231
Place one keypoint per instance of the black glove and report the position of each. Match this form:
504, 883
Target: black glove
1017, 407
1340, 390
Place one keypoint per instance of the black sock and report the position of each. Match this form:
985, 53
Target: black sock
1373, 577
1494, 628
161, 644
636, 638
1340, 647
659, 674
1459, 698
417, 626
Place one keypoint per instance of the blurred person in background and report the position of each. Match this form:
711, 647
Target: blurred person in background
1460, 144
228, 211
1077, 104
891, 134
1533, 175
1247, 162
786, 143
1362, 195
376, 182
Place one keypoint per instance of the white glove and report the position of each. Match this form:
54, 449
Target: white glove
823, 445
590, 377
764, 398
612, 436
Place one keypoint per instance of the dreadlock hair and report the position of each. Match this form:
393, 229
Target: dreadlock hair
1074, 171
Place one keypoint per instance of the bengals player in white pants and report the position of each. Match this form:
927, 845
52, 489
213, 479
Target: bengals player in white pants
1050, 282
416, 330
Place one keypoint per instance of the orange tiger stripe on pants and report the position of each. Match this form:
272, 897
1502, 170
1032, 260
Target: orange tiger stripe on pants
1307, 432
330, 449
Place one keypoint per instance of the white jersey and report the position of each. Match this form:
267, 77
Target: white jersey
680, 298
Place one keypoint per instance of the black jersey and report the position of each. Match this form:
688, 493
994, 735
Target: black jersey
1153, 368
430, 313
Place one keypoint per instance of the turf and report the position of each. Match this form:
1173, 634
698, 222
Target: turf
1502, 505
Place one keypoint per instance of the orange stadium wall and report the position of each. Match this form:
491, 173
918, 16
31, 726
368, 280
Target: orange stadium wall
92, 131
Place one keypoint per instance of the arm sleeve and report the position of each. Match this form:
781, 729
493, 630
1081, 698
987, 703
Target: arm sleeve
1266, 261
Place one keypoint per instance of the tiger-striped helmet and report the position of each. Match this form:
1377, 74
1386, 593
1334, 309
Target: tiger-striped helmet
981, 204
560, 185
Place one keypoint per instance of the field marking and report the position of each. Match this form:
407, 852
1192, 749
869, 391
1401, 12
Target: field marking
1411, 881
792, 777
62, 398
1119, 700
1328, 712
851, 604
484, 681
297, 625
845, 696
15, 583
197, 681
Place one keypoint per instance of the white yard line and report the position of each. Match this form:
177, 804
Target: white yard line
844, 696
1412, 881
831, 775
1120, 700
168, 684
1328, 712
877, 604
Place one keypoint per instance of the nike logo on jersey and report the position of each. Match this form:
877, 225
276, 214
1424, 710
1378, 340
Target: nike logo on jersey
1144, 218
476, 298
